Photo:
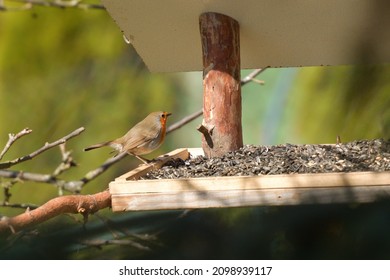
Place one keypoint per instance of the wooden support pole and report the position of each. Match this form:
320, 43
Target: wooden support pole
221, 127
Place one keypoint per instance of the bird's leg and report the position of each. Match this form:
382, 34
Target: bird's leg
144, 160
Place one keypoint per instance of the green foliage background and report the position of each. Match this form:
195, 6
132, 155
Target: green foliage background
65, 68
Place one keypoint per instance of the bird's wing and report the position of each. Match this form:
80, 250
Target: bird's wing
138, 136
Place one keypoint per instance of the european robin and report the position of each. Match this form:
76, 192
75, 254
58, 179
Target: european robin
143, 138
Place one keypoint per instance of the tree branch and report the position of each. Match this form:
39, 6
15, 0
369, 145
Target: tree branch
74, 186
28, 176
184, 121
102, 242
29, 4
46, 147
12, 139
66, 163
19, 205
250, 77
83, 204
96, 172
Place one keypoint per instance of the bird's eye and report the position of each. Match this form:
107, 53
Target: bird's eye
163, 115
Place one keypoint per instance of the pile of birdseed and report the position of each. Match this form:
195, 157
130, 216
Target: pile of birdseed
362, 155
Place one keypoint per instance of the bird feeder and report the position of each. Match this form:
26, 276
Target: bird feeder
131, 194
221, 37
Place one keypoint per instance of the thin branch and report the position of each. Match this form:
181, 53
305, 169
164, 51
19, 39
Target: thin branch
260, 82
12, 139
6, 186
74, 186
83, 204
250, 77
118, 237
46, 147
101, 242
28, 176
66, 163
29, 4
96, 172
19, 205
24, 7
117, 233
184, 121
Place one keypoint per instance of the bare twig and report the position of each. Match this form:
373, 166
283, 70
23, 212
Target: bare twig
28, 176
117, 233
118, 237
6, 190
12, 138
71, 186
100, 242
29, 4
19, 205
66, 163
46, 147
184, 121
83, 204
250, 77
96, 172
257, 81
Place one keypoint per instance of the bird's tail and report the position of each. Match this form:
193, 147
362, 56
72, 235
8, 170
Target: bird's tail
99, 145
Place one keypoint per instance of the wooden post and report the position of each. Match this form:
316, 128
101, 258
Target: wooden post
221, 127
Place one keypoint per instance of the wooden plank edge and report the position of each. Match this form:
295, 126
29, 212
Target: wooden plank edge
283, 181
195, 152
141, 170
245, 198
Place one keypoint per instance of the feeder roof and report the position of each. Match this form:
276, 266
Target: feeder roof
272, 33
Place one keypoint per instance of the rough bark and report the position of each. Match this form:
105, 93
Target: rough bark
221, 127
83, 204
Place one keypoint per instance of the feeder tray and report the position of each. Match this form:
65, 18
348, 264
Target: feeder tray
130, 193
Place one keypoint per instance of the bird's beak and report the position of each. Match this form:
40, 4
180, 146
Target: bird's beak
168, 114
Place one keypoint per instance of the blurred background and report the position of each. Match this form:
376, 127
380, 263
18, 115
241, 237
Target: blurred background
61, 69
